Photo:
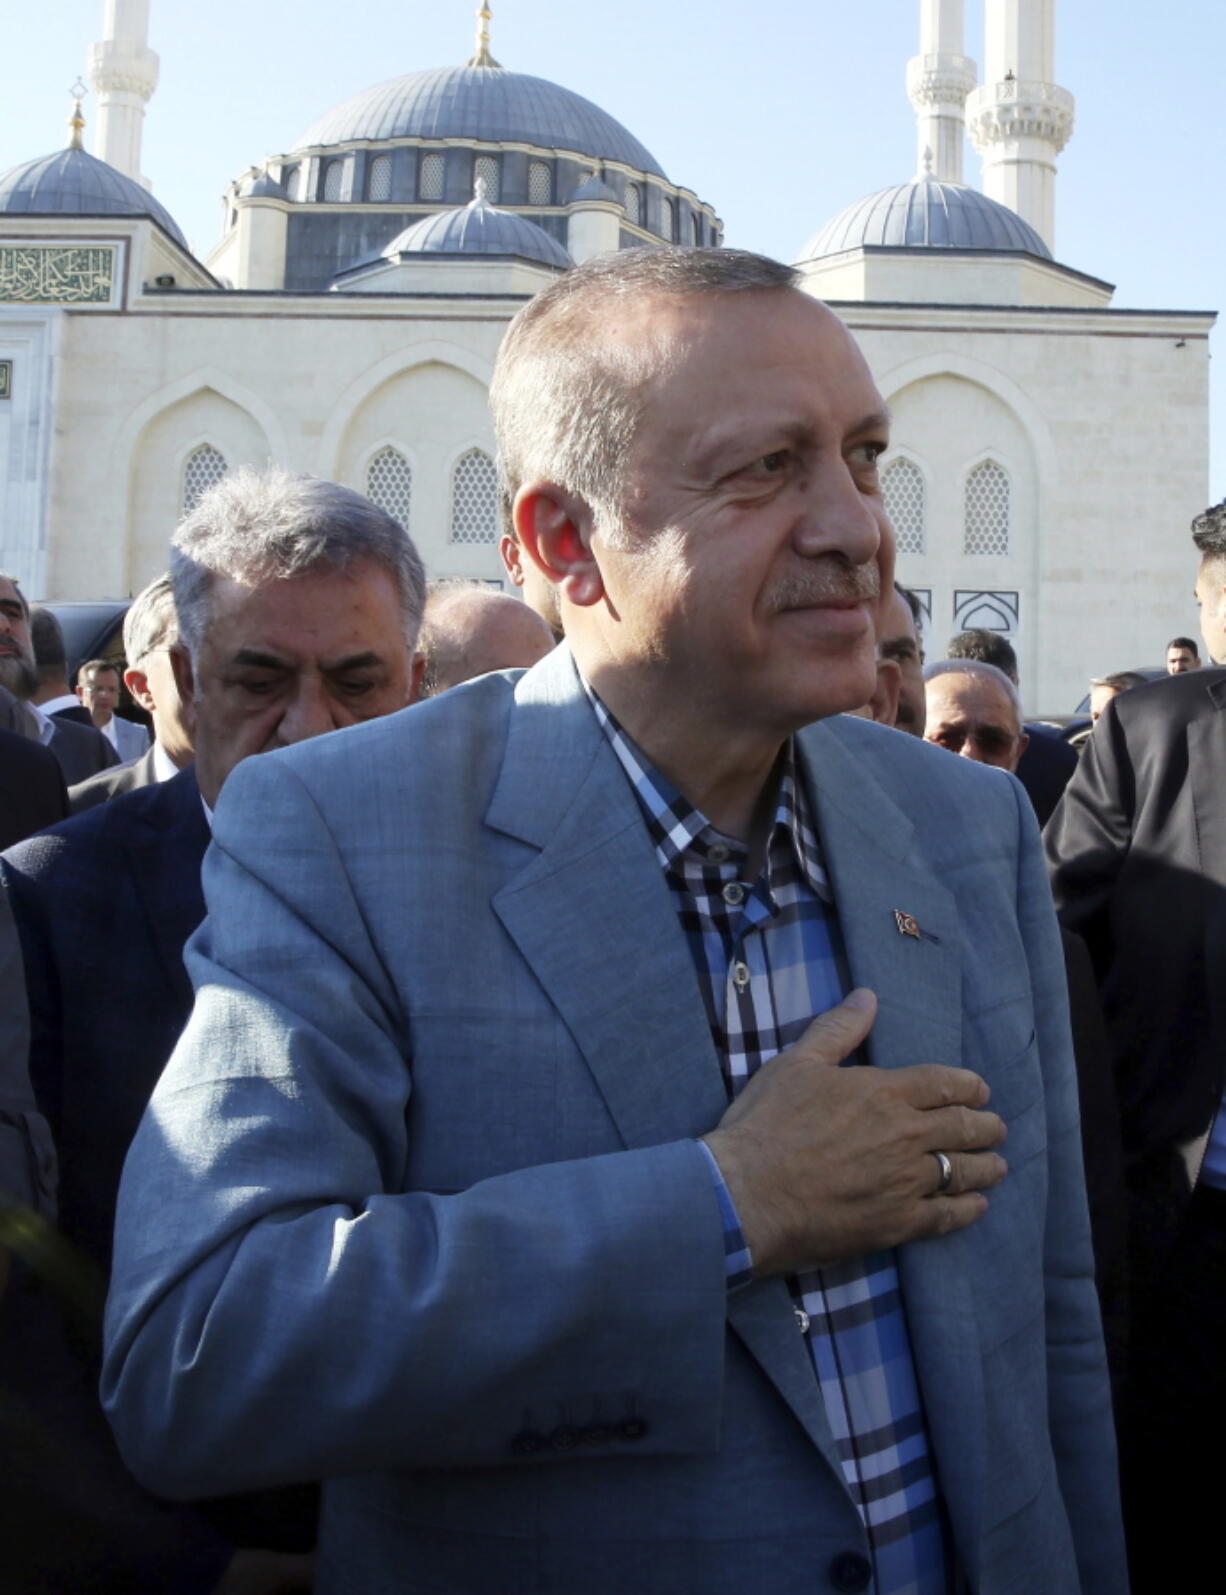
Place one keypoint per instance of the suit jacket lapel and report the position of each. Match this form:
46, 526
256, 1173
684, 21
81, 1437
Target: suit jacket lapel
870, 853
164, 855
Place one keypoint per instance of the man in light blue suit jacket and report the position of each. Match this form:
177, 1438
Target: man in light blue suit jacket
441, 1198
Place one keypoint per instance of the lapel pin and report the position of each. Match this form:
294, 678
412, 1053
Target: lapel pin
908, 925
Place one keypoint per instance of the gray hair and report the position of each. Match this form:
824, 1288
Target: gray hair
567, 400
262, 526
979, 671
151, 622
1209, 531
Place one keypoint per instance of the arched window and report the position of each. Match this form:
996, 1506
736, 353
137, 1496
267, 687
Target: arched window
474, 499
986, 510
430, 177
201, 469
902, 488
540, 185
634, 204
668, 224
485, 171
389, 484
291, 180
379, 178
333, 172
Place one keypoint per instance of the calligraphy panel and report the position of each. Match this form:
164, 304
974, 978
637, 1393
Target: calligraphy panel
57, 274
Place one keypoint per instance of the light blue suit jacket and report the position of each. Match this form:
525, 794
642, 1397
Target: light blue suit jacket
417, 1207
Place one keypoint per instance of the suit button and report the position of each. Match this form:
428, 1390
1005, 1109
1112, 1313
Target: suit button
526, 1443
597, 1434
563, 1439
631, 1429
850, 1573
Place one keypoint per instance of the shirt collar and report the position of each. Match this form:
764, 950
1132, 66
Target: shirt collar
683, 834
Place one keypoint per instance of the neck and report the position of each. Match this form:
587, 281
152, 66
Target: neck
51, 689
729, 773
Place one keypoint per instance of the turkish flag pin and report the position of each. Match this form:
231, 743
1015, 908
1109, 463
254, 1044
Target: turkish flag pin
907, 924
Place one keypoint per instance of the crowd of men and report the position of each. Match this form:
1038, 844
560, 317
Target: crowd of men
462, 1102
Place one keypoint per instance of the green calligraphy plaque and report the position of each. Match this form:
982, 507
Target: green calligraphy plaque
57, 274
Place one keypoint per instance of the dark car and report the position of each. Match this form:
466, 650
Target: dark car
93, 629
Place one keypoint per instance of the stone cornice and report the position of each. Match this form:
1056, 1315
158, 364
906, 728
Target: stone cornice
937, 80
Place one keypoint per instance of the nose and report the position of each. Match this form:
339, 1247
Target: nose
841, 518
308, 713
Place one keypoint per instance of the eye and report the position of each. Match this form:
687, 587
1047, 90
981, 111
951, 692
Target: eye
867, 453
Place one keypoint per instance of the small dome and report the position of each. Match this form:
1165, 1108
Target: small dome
482, 103
73, 183
264, 186
479, 229
926, 214
594, 188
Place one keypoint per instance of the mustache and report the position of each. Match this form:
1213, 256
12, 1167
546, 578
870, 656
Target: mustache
831, 582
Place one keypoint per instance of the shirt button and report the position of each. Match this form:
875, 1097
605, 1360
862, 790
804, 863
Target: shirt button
718, 852
740, 975
734, 893
802, 1320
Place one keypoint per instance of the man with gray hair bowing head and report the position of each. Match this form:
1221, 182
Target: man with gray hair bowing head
507, 1177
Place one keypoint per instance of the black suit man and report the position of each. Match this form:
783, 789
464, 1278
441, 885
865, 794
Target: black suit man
32, 793
1138, 856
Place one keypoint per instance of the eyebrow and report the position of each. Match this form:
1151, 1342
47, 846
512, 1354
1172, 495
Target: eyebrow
878, 421
266, 661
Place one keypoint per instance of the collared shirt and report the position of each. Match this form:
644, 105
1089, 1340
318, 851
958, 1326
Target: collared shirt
769, 959
108, 731
46, 725
164, 767
66, 700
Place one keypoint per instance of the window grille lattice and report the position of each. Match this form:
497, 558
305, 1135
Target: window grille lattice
291, 180
540, 188
986, 515
634, 204
902, 488
474, 499
485, 170
333, 172
379, 178
202, 468
667, 222
389, 484
430, 182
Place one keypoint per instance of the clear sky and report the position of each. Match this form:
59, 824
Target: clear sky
776, 112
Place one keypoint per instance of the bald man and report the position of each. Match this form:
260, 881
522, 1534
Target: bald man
470, 630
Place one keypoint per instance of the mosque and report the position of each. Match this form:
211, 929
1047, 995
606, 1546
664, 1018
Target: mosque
1049, 449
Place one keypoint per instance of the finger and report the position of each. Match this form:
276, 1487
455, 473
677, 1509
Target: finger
969, 1171
836, 1034
938, 1085
961, 1130
944, 1214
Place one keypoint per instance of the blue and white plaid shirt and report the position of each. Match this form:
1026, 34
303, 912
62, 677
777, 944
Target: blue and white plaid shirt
769, 959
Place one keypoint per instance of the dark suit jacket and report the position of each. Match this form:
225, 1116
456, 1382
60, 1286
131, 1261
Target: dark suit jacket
113, 783
32, 793
104, 903
1137, 850
81, 750
78, 716
1045, 769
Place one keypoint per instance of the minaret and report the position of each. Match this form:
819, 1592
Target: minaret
124, 73
1021, 119
939, 79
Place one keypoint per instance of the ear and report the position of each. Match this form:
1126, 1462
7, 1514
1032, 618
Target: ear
79, 689
883, 705
185, 681
1023, 742
512, 559
137, 683
555, 532
417, 675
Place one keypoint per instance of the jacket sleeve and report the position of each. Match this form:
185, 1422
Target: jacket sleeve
281, 1309
1079, 1400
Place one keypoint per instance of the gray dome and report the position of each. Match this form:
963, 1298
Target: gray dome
482, 103
479, 229
595, 187
265, 186
926, 214
73, 183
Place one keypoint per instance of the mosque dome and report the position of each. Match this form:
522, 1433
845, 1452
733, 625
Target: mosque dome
484, 103
926, 214
71, 182
479, 228
263, 185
